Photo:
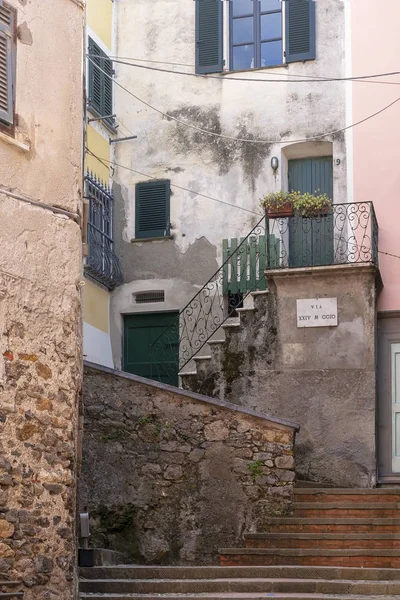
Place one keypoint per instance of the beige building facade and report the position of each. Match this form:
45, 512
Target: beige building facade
40, 292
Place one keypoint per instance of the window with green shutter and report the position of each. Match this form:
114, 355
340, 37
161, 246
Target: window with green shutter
152, 212
255, 33
8, 24
100, 83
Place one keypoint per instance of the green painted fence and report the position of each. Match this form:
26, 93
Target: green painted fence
245, 263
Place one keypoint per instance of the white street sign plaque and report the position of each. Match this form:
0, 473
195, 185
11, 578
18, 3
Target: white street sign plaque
317, 312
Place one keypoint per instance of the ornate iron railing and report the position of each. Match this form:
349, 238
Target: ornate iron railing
101, 262
349, 234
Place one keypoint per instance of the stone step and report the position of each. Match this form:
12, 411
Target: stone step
346, 509
387, 558
233, 596
347, 495
239, 586
323, 540
234, 572
333, 525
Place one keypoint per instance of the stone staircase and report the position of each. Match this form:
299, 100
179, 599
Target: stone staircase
340, 544
329, 527
238, 583
212, 369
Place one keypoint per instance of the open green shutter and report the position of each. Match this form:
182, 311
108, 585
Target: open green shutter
152, 209
100, 84
6, 65
209, 36
95, 77
300, 30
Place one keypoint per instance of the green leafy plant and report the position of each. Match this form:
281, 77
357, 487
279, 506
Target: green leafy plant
256, 468
306, 205
276, 200
311, 205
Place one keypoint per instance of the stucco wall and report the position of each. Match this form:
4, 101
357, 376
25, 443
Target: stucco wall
376, 148
40, 316
170, 477
234, 172
323, 378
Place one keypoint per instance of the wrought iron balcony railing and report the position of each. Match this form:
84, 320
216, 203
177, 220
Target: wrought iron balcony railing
101, 262
349, 234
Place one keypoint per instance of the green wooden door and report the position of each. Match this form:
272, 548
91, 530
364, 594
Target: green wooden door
311, 239
159, 360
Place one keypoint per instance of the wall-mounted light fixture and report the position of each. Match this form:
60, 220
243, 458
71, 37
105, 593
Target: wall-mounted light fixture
274, 163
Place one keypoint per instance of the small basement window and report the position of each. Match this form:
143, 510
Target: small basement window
149, 297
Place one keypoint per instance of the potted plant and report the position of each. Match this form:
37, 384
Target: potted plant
285, 204
278, 204
311, 205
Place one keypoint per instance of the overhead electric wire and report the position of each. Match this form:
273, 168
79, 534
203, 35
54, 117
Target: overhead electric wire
179, 187
105, 160
248, 140
227, 75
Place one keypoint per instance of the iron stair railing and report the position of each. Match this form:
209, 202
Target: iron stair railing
348, 234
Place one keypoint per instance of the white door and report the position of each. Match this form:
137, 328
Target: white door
395, 360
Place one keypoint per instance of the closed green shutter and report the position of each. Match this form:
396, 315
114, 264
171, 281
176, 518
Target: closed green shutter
152, 209
7, 73
209, 36
100, 84
300, 30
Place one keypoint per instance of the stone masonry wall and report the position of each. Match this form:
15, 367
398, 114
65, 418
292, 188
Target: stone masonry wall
40, 298
170, 476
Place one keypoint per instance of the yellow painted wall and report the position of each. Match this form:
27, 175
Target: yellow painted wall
100, 146
95, 306
99, 19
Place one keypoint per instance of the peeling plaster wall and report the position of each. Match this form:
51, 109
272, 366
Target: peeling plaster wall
40, 314
238, 173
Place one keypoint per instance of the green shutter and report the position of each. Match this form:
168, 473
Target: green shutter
7, 73
100, 84
209, 36
152, 209
300, 30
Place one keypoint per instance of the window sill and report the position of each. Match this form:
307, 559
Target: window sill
151, 239
15, 141
232, 71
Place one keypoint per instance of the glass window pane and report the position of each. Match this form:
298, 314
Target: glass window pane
271, 26
243, 57
242, 30
242, 7
271, 5
271, 53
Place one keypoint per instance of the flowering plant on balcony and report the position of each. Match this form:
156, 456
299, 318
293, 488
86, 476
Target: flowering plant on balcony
311, 205
278, 204
284, 204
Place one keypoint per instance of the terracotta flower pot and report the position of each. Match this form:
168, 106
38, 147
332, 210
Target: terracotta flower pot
282, 211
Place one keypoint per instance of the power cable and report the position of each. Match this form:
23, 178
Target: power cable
249, 140
315, 79
179, 187
104, 161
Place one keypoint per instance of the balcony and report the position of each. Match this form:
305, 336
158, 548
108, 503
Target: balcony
347, 235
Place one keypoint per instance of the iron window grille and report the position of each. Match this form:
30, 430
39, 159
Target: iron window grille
101, 263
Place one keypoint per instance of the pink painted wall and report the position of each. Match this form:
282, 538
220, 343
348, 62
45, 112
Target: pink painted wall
376, 49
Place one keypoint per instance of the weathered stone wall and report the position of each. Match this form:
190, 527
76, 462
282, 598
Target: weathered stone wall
40, 320
170, 476
324, 378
